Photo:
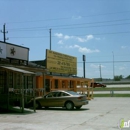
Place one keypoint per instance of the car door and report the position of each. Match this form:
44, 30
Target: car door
52, 100
45, 101
57, 99
63, 97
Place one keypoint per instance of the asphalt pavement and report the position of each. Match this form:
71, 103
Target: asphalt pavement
99, 114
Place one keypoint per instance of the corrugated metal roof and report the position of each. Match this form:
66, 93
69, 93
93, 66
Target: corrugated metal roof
17, 70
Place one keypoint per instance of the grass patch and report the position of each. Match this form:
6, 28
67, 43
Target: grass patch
109, 95
114, 89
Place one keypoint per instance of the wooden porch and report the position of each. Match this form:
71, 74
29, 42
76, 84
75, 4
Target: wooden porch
18, 85
80, 85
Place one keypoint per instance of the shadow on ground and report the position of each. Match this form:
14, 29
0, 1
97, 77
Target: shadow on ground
16, 111
62, 109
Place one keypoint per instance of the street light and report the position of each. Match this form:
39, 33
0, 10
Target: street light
113, 66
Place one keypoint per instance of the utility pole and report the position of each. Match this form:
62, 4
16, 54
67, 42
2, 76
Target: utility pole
50, 39
100, 69
113, 66
4, 33
84, 60
50, 47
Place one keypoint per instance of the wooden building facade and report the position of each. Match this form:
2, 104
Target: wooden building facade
19, 81
16, 86
80, 85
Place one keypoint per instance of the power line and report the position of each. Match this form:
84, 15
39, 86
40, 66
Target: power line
105, 62
44, 27
31, 37
93, 26
111, 33
63, 18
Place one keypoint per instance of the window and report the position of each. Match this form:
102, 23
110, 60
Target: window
49, 95
2, 81
64, 94
30, 82
10, 82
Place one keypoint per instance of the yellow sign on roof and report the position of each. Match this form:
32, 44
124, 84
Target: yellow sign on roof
61, 63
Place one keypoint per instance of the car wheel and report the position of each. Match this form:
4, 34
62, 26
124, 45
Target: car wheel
69, 105
78, 107
38, 105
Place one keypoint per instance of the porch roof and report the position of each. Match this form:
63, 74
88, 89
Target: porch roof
17, 70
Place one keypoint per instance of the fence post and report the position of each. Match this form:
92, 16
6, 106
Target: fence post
112, 93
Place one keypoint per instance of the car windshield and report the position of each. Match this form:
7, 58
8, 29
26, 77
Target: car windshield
72, 92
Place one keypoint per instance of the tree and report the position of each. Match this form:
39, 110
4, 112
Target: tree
128, 77
118, 77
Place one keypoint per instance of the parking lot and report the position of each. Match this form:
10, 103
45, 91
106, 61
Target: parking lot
99, 114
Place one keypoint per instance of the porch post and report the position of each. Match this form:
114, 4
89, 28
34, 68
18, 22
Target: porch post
22, 89
44, 83
34, 88
7, 89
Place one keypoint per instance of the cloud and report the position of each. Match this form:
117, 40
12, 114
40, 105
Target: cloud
76, 17
76, 46
96, 66
71, 47
80, 71
66, 37
123, 47
79, 39
87, 38
59, 35
60, 42
83, 49
61, 47
122, 68
97, 38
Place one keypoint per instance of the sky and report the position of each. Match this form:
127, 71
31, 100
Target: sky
98, 29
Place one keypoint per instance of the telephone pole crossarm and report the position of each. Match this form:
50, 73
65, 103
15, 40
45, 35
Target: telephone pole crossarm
4, 33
